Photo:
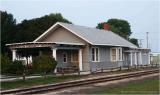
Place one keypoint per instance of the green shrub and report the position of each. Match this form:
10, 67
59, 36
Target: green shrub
44, 64
16, 68
5, 63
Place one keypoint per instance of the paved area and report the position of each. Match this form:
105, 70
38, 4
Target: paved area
4, 78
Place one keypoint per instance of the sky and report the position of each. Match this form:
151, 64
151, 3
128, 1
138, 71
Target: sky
143, 15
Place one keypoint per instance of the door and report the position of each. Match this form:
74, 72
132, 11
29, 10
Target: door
74, 58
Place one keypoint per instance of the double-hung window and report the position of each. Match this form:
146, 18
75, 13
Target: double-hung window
113, 54
95, 54
116, 54
119, 54
64, 57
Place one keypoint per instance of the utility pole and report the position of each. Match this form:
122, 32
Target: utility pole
147, 39
140, 42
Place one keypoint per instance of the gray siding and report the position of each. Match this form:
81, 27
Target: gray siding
60, 58
145, 56
105, 60
85, 58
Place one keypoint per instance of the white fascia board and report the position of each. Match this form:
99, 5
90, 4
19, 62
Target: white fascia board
47, 31
29, 43
115, 45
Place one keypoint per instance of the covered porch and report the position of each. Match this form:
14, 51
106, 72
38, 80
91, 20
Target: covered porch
67, 55
134, 57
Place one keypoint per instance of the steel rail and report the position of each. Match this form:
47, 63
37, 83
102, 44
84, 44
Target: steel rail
57, 86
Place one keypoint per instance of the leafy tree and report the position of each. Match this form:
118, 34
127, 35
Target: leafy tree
134, 41
8, 24
44, 64
27, 30
121, 27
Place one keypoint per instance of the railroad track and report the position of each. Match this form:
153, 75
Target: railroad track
57, 86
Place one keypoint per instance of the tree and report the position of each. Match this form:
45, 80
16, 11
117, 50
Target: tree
27, 30
5, 63
120, 27
16, 67
8, 24
134, 41
44, 64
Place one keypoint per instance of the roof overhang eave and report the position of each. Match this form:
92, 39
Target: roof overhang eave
115, 45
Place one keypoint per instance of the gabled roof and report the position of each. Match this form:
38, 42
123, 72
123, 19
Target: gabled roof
92, 35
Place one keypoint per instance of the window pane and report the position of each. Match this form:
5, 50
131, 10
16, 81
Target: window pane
113, 57
64, 60
119, 53
93, 58
64, 57
96, 54
113, 54
93, 53
114, 51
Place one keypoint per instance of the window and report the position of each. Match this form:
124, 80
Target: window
116, 54
74, 56
95, 54
119, 54
113, 56
64, 57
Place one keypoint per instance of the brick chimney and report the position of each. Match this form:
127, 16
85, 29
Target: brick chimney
106, 26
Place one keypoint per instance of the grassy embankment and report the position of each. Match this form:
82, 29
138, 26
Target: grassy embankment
37, 81
145, 87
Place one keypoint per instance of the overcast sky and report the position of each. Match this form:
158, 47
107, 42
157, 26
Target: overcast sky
143, 15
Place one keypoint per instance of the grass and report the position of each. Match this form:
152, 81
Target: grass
145, 87
50, 79
37, 81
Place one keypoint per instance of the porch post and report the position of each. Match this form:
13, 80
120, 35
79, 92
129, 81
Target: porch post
149, 58
135, 58
14, 55
140, 57
54, 54
131, 58
80, 60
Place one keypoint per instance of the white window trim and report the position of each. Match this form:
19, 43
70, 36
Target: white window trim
95, 54
72, 58
111, 54
63, 57
117, 54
